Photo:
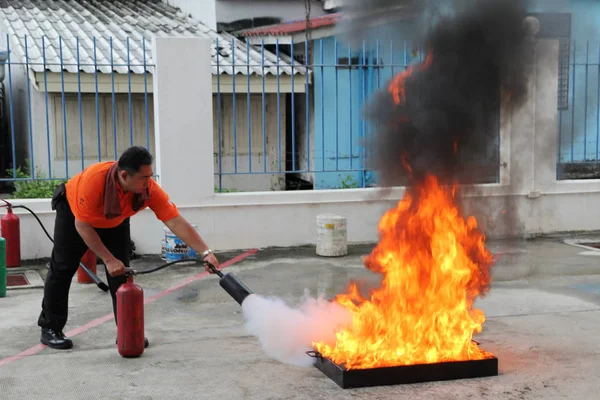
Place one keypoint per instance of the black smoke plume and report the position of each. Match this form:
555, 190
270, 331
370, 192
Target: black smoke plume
447, 110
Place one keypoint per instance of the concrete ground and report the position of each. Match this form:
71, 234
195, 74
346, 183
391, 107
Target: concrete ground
543, 319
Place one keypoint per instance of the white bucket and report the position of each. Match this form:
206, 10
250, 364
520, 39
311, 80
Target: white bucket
176, 249
332, 240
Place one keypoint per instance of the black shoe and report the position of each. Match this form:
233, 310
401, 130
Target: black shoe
55, 339
146, 343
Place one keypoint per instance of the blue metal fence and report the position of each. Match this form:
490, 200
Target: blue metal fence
57, 92
318, 140
279, 125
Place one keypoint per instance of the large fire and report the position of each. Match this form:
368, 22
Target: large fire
434, 264
433, 259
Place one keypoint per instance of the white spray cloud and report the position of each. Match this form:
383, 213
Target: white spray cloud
286, 333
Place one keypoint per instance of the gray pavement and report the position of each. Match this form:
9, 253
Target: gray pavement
543, 319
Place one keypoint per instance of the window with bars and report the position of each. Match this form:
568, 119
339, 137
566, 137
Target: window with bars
563, 74
358, 62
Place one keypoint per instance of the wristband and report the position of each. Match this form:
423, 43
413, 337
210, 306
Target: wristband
206, 252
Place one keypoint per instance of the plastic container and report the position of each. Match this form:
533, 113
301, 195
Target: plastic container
176, 249
332, 239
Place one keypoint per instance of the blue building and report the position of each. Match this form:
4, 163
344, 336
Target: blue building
345, 77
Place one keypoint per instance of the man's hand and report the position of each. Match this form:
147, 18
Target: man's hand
115, 267
210, 257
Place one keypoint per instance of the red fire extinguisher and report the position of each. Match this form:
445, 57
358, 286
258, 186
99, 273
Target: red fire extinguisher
130, 319
10, 230
89, 260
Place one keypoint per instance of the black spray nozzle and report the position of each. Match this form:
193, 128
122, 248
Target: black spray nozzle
231, 284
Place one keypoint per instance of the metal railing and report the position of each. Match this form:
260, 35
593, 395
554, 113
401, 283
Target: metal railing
277, 124
308, 130
68, 103
579, 110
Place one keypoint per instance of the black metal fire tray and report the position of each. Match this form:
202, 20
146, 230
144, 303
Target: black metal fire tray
405, 374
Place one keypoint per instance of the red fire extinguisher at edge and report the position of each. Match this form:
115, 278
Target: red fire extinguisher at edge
10, 230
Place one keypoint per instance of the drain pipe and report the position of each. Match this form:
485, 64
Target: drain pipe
3, 59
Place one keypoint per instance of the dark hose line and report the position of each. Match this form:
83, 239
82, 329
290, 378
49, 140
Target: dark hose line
130, 270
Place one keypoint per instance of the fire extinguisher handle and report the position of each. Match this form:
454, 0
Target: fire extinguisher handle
213, 269
130, 271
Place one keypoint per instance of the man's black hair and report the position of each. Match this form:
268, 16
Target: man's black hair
134, 158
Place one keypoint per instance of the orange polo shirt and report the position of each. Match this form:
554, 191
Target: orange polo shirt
85, 194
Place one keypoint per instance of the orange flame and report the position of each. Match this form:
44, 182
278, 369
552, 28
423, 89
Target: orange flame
434, 264
396, 87
406, 164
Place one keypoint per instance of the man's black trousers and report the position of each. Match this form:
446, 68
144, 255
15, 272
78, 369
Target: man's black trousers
67, 252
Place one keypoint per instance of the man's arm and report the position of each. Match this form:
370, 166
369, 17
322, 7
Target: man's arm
91, 238
89, 235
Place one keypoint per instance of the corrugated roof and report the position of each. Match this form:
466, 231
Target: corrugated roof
292, 27
63, 21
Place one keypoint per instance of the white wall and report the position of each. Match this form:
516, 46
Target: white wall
202, 10
528, 201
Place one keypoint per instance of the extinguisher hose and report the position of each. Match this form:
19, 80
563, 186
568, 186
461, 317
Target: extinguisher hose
36, 217
129, 270
103, 286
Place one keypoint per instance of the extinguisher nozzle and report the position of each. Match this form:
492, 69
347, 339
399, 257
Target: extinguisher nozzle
231, 284
235, 288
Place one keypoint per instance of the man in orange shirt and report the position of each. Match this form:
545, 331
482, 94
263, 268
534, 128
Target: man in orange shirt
93, 211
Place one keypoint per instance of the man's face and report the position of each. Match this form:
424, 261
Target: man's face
139, 182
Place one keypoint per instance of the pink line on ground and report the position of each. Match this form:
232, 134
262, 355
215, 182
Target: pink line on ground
98, 321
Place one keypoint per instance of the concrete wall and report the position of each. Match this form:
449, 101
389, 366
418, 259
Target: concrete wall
527, 201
